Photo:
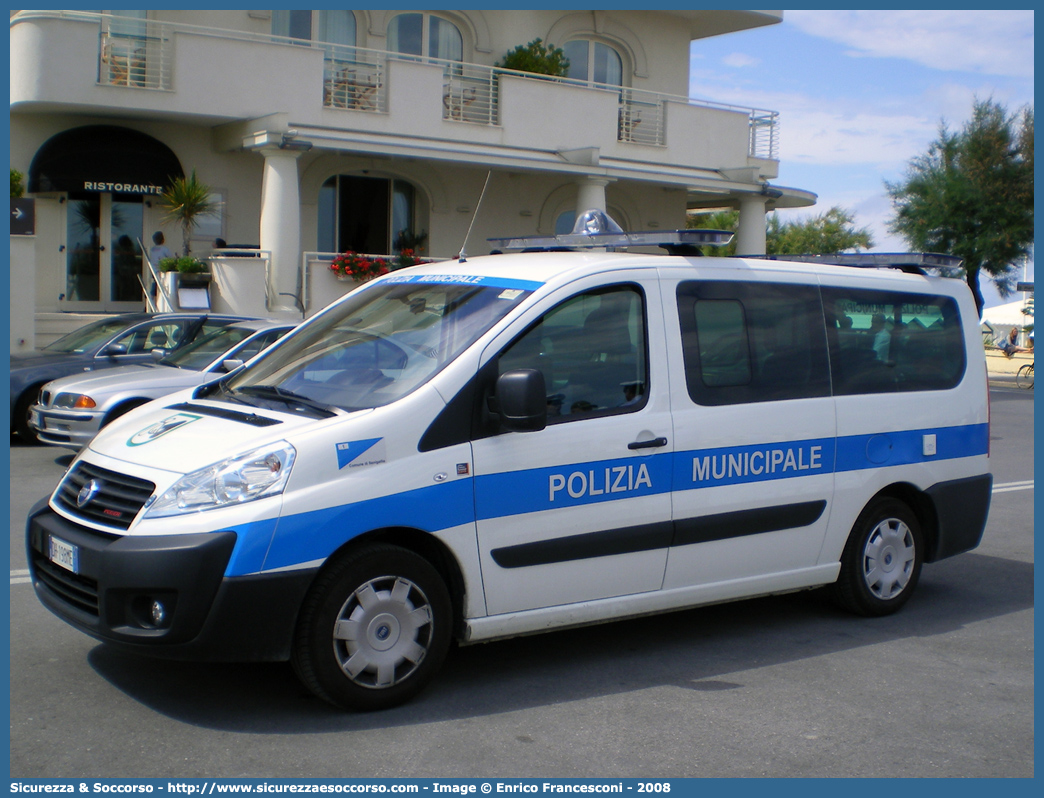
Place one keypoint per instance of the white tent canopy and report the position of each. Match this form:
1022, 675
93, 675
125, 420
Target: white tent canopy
997, 323
1009, 315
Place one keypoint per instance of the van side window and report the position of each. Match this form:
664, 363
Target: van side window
592, 351
886, 341
752, 342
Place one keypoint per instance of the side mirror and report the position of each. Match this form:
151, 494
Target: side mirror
230, 364
159, 354
112, 350
522, 400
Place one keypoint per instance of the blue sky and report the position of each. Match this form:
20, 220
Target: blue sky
860, 93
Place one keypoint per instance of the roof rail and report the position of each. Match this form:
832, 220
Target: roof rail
596, 229
908, 262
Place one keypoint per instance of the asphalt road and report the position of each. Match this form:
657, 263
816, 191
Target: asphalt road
780, 687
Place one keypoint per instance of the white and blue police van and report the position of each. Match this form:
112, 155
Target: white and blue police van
482, 448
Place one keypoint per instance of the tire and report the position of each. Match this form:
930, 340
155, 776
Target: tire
374, 629
1024, 377
20, 421
882, 560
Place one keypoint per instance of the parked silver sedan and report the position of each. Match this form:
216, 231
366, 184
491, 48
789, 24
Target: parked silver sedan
71, 410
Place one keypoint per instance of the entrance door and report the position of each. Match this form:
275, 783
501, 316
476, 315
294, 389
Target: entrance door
102, 252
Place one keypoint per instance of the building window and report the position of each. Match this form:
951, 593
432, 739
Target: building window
594, 62
211, 226
296, 24
365, 214
425, 35
328, 26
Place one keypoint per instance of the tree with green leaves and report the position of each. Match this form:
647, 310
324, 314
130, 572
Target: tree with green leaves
537, 58
971, 195
826, 234
17, 186
184, 202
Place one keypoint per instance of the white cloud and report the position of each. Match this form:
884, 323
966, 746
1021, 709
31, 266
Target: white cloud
740, 60
826, 137
987, 42
842, 132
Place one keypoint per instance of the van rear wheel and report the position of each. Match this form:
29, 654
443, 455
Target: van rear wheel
374, 629
882, 559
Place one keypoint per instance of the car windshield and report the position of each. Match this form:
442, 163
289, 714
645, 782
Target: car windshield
201, 353
89, 337
377, 346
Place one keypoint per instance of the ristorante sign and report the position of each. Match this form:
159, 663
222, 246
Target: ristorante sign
122, 188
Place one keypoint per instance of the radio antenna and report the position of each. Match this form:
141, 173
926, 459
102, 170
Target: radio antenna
462, 255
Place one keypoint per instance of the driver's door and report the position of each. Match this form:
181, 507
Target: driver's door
581, 510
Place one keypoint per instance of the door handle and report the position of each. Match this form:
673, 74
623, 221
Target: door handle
655, 443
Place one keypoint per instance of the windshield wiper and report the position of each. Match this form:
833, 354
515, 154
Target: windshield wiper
287, 397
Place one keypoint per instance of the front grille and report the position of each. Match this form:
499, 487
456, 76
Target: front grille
117, 500
45, 398
77, 590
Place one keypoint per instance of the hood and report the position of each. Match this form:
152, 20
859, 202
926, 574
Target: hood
181, 434
144, 378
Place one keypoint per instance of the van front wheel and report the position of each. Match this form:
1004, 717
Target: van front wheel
882, 559
374, 629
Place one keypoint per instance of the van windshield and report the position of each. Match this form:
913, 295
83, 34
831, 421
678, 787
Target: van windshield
377, 346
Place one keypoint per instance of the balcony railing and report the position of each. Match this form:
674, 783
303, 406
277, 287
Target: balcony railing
138, 54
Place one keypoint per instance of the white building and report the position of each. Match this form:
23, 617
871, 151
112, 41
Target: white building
322, 131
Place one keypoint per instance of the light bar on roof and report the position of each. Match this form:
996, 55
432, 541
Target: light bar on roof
876, 260
596, 229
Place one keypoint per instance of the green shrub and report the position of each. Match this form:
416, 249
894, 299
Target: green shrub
538, 58
182, 265
17, 187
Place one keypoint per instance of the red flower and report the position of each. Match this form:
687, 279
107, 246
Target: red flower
358, 267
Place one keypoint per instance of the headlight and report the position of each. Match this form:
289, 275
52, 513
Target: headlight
262, 472
74, 400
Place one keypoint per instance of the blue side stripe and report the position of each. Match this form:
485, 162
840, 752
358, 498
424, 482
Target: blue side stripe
536, 489
315, 535
733, 465
252, 542
857, 452
465, 279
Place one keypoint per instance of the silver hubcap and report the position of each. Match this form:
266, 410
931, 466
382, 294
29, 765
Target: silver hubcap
888, 558
383, 632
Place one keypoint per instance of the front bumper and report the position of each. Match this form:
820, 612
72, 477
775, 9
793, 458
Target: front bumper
206, 615
71, 429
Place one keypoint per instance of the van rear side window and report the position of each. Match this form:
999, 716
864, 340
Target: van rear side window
883, 342
752, 342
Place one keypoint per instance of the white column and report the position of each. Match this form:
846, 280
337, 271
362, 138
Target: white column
281, 224
590, 194
750, 237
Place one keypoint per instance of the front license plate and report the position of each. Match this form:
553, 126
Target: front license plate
64, 554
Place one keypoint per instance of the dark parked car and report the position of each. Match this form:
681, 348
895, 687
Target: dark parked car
116, 341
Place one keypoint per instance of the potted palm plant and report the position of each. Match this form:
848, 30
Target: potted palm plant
184, 202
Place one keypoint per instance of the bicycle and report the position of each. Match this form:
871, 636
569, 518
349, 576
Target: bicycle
1024, 377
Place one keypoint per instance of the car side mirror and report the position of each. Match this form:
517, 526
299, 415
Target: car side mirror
112, 350
522, 400
159, 354
231, 364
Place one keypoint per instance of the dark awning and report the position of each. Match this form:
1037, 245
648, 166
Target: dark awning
103, 158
